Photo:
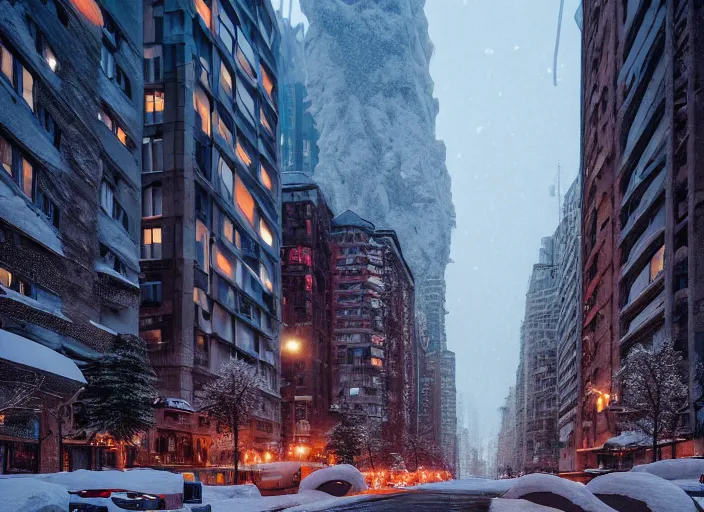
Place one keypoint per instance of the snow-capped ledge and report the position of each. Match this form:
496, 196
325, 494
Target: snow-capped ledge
6, 293
104, 269
103, 327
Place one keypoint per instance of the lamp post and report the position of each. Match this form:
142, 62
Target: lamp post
293, 347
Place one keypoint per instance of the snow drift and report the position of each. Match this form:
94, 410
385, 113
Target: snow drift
540, 484
29, 495
657, 493
343, 472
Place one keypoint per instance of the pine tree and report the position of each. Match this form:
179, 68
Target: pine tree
347, 439
232, 398
654, 390
120, 394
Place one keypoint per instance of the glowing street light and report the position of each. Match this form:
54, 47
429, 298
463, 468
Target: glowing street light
293, 346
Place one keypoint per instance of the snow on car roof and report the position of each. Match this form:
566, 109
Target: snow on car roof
29, 495
344, 472
573, 491
657, 493
673, 469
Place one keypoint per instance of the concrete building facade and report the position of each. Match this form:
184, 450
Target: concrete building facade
641, 217
211, 191
506, 441
70, 126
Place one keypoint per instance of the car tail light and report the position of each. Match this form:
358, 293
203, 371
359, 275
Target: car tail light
97, 493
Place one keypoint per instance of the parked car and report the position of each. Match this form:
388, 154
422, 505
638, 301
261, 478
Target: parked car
113, 500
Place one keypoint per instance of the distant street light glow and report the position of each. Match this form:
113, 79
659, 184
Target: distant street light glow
293, 346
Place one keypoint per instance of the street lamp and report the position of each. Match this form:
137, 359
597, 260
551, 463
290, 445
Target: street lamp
293, 346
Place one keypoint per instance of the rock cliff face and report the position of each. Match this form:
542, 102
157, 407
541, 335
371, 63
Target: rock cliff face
372, 100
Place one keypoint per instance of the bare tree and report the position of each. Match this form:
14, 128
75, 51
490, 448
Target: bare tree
20, 394
422, 449
654, 390
232, 397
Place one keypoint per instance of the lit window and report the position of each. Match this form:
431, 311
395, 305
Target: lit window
154, 107
245, 54
5, 278
263, 118
377, 362
264, 276
228, 230
152, 201
113, 126
225, 80
242, 154
151, 243
28, 88
27, 178
6, 63
266, 179
152, 337
6, 155
265, 233
202, 108
121, 135
244, 200
657, 263
204, 12
226, 180
267, 83
223, 129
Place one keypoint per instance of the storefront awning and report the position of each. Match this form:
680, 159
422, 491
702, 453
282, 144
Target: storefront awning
18, 350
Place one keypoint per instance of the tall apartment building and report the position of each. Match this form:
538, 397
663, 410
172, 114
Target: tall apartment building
567, 237
70, 125
506, 442
210, 214
538, 365
306, 369
374, 366
641, 218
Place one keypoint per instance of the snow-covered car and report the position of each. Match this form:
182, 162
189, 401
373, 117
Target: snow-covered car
340, 480
553, 491
113, 500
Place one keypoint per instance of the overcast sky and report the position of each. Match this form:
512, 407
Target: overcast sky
506, 127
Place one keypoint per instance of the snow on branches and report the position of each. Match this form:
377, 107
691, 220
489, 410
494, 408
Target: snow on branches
654, 390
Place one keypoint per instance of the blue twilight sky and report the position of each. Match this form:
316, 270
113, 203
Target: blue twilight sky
506, 128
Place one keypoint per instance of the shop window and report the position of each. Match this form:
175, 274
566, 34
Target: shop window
226, 180
202, 246
265, 233
152, 201
265, 177
201, 104
152, 154
203, 8
244, 200
154, 107
225, 80
152, 65
151, 293
151, 244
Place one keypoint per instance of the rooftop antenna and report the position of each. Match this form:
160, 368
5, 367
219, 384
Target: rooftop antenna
557, 43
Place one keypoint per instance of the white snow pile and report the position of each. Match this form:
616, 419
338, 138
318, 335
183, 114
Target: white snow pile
629, 439
212, 493
658, 494
29, 495
573, 491
469, 485
138, 480
673, 469
503, 505
343, 472
307, 501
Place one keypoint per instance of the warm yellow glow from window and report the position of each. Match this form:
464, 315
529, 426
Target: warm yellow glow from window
293, 346
267, 456
224, 131
228, 230
27, 177
223, 264
599, 404
265, 233
244, 200
154, 101
265, 122
267, 83
121, 135
657, 263
152, 236
204, 12
225, 80
264, 276
202, 105
376, 361
6, 59
28, 88
5, 278
89, 9
243, 155
266, 179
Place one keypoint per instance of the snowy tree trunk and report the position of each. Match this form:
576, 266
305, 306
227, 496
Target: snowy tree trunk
120, 456
236, 438
656, 431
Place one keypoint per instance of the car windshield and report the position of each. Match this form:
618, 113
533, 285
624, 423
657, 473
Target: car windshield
351, 254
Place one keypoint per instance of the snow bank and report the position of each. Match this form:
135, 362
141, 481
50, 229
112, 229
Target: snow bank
139, 480
676, 469
29, 495
573, 491
469, 485
504, 505
344, 472
260, 504
20, 350
659, 494
213, 493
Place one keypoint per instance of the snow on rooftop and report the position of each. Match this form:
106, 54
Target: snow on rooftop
175, 403
629, 439
344, 472
658, 494
674, 469
573, 491
30, 495
138, 480
7, 293
20, 350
